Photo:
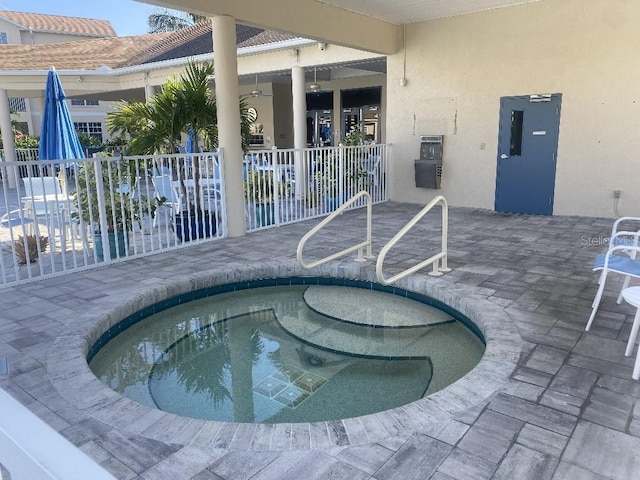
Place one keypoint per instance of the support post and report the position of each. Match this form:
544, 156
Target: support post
230, 140
7, 138
299, 127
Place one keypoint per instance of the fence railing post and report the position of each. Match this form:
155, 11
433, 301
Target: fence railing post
102, 210
341, 152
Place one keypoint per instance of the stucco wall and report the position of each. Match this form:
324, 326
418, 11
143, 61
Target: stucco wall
13, 32
51, 37
458, 68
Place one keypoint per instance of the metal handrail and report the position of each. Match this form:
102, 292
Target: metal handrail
435, 259
359, 246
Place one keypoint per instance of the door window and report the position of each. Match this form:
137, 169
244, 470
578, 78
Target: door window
517, 119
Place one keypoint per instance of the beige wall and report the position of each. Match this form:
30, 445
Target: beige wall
13, 32
45, 37
282, 117
458, 68
264, 105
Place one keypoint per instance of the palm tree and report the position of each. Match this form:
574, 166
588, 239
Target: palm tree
165, 20
185, 105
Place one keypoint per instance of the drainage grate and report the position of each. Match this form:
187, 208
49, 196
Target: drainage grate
4, 367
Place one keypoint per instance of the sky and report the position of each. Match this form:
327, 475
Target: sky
126, 16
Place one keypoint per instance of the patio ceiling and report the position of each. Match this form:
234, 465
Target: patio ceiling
412, 11
371, 25
304, 18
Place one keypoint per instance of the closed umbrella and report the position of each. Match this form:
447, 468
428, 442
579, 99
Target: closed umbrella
58, 137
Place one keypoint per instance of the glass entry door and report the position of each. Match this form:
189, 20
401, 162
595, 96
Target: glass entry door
319, 128
361, 109
365, 119
320, 119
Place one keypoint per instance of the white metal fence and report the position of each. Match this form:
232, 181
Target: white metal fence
65, 216
24, 154
157, 203
69, 215
285, 186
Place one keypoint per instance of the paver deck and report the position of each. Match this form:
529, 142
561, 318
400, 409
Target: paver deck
568, 410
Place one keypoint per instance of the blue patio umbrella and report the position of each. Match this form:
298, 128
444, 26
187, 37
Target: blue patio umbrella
58, 137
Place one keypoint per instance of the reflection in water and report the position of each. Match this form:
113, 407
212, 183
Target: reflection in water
235, 360
250, 356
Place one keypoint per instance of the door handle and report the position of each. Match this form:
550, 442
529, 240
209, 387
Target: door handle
504, 156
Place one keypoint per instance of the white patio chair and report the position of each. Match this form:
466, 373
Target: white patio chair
624, 224
372, 167
35, 186
165, 188
162, 170
621, 258
210, 168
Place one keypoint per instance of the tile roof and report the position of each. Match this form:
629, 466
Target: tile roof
126, 51
58, 23
265, 37
197, 40
81, 55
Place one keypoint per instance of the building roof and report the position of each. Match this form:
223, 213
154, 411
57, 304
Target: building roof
57, 23
117, 52
197, 39
81, 55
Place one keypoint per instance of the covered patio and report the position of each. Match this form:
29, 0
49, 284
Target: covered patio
558, 402
566, 409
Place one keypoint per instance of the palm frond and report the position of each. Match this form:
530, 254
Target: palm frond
165, 20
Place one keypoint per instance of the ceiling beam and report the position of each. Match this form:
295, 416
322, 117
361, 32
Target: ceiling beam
304, 18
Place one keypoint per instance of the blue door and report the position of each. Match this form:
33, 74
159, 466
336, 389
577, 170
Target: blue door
527, 150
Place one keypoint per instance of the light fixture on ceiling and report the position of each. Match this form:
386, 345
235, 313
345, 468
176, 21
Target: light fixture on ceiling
315, 86
256, 92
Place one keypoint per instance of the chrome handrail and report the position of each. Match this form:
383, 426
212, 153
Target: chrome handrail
359, 246
440, 258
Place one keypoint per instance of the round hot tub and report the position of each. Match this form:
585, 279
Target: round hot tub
287, 351
146, 406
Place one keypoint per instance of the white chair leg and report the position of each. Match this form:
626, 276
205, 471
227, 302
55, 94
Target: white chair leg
598, 297
625, 284
596, 304
634, 334
636, 367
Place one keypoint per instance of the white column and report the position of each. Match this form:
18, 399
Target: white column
40, 105
9, 147
299, 126
149, 91
227, 100
299, 108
